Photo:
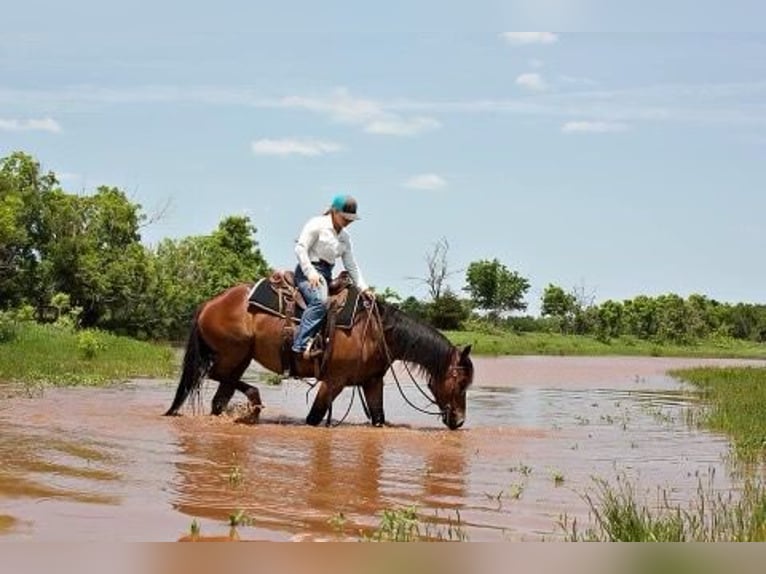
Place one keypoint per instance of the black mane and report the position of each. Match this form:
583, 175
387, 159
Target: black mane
416, 342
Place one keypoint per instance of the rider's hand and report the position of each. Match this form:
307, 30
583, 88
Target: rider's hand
315, 280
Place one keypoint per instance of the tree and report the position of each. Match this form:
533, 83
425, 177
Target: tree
415, 308
437, 270
560, 305
193, 269
494, 288
23, 187
609, 320
91, 250
640, 316
447, 312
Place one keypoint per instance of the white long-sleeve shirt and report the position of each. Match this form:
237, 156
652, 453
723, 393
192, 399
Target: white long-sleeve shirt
319, 241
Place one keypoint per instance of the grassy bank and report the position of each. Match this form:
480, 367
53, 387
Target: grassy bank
735, 404
48, 354
502, 343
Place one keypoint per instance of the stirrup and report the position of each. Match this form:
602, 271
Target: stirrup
309, 353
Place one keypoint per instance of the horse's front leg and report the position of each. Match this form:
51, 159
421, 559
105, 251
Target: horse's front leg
323, 401
373, 394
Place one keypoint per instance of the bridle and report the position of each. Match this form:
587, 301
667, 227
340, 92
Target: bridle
453, 371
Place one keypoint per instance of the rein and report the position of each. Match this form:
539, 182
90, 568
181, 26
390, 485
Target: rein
373, 311
376, 311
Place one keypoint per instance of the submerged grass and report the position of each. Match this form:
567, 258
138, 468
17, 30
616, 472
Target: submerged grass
406, 524
49, 354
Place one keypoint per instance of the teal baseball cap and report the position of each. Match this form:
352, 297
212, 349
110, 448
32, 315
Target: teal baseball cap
346, 206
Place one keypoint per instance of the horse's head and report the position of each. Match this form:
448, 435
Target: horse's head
450, 392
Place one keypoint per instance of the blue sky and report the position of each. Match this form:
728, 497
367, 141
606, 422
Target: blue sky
620, 163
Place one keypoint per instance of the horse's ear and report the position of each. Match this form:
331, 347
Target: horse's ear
464, 352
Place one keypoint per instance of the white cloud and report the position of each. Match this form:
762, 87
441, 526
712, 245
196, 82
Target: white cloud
695, 104
373, 116
593, 127
425, 181
525, 38
286, 147
531, 81
397, 126
32, 125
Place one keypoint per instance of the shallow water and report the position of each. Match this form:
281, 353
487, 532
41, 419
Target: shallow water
102, 464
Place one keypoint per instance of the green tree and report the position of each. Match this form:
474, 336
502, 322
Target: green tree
557, 303
91, 250
447, 311
193, 269
609, 320
23, 187
640, 317
494, 288
415, 308
672, 319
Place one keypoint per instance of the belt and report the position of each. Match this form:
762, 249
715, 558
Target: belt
322, 263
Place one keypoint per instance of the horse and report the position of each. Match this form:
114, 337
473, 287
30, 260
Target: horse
227, 333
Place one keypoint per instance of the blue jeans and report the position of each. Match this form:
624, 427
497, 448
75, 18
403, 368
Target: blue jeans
316, 308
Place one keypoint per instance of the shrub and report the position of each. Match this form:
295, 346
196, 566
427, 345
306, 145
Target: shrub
8, 329
89, 344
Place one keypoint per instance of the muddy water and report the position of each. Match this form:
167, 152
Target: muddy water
102, 464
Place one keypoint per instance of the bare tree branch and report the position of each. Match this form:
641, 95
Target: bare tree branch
158, 214
437, 269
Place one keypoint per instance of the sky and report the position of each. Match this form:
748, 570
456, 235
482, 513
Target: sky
617, 163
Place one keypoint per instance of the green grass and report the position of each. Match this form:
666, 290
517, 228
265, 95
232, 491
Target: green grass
619, 514
47, 354
735, 404
735, 400
504, 343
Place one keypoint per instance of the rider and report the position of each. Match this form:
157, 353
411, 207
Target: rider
323, 240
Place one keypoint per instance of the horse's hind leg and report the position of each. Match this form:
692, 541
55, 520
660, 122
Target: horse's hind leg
373, 394
222, 397
322, 402
227, 374
252, 393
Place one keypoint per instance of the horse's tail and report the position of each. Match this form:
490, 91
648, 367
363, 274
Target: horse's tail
197, 359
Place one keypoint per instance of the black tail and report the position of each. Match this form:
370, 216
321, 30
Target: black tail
196, 363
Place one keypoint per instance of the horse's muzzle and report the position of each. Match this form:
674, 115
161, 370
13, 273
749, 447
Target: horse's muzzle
453, 422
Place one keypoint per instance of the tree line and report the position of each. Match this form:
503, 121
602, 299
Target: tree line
82, 255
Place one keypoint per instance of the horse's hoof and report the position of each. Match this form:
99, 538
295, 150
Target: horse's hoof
254, 396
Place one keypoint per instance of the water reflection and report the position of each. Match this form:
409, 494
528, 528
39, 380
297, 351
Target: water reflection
294, 478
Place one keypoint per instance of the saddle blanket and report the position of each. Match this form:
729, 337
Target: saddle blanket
263, 296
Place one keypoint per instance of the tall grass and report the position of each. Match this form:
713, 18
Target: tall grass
619, 515
735, 403
58, 355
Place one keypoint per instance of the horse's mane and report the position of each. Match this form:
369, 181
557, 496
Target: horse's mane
414, 341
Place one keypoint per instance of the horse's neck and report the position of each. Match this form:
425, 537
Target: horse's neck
418, 344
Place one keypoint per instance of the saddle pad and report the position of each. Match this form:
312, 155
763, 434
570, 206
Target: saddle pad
264, 297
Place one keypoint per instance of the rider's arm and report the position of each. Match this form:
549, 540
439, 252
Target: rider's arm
350, 264
306, 240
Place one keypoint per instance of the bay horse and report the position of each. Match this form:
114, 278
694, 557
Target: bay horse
227, 333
